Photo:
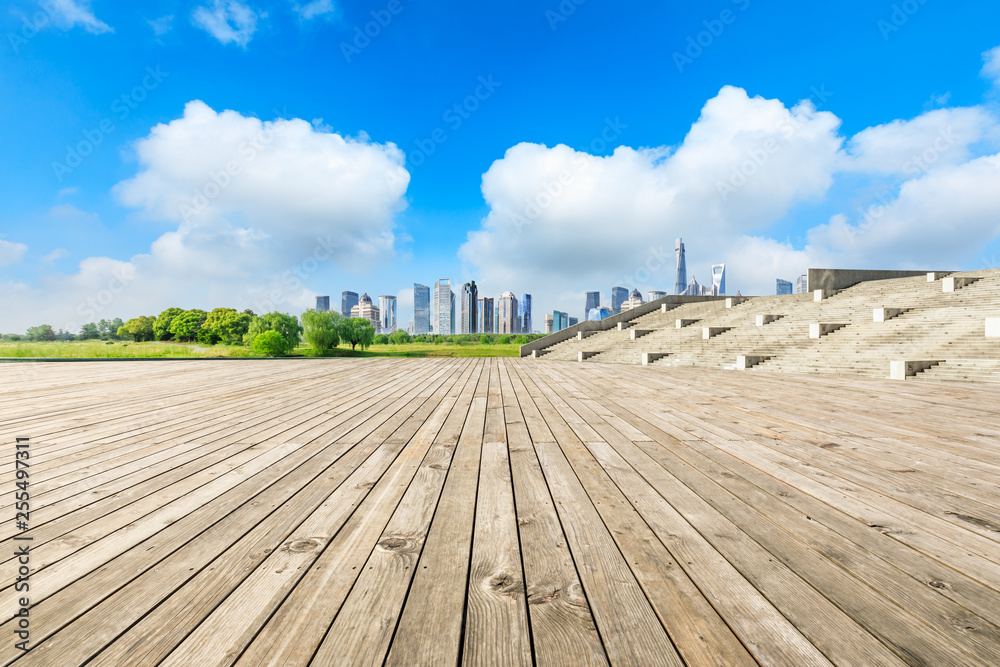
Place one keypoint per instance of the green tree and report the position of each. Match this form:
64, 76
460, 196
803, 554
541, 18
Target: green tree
381, 339
227, 325
321, 329
357, 331
43, 332
504, 340
185, 326
269, 344
400, 337
484, 340
89, 331
521, 340
138, 328
287, 327
161, 330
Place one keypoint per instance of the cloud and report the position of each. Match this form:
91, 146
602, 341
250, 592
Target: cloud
991, 65
72, 213
562, 221
229, 21
295, 206
314, 9
65, 192
11, 253
67, 14
57, 254
162, 25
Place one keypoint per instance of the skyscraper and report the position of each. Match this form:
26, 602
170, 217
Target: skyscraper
507, 313
634, 301
718, 279
618, 296
421, 309
485, 315
560, 320
549, 324
322, 304
470, 307
597, 314
573, 321
387, 310
783, 287
802, 284
653, 295
680, 283
593, 301
524, 314
443, 306
693, 288
347, 301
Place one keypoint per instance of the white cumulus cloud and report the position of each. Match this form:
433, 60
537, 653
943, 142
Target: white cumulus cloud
314, 9
10, 252
991, 65
229, 21
67, 14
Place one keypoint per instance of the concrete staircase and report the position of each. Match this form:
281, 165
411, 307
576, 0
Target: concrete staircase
923, 323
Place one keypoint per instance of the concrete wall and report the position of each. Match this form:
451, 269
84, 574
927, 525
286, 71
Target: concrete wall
837, 279
612, 322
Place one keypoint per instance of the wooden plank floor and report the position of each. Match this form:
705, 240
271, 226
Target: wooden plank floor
498, 512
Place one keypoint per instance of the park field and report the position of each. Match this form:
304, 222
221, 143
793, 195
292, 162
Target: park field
157, 350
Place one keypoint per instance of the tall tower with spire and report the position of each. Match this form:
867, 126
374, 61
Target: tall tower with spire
680, 281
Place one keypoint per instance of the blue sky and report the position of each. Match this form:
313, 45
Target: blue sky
686, 92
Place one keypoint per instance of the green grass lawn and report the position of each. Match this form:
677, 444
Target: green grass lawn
91, 349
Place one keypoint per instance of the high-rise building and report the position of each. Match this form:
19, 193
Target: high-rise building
347, 301
680, 282
718, 280
599, 313
444, 307
802, 284
618, 296
693, 288
470, 306
524, 314
421, 309
322, 304
653, 295
507, 313
366, 309
593, 301
548, 324
634, 301
387, 309
485, 315
560, 320
574, 321
783, 287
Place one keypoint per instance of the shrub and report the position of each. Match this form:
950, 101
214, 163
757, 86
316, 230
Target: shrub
269, 344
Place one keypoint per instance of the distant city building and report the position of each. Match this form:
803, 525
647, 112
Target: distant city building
718, 279
598, 314
802, 284
470, 307
485, 308
560, 320
347, 301
619, 295
653, 295
444, 306
421, 309
680, 281
634, 301
783, 287
693, 288
454, 322
524, 314
574, 321
593, 301
322, 304
507, 313
409, 329
548, 324
387, 309
366, 309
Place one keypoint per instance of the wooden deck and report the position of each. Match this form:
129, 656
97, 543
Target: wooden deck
499, 511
